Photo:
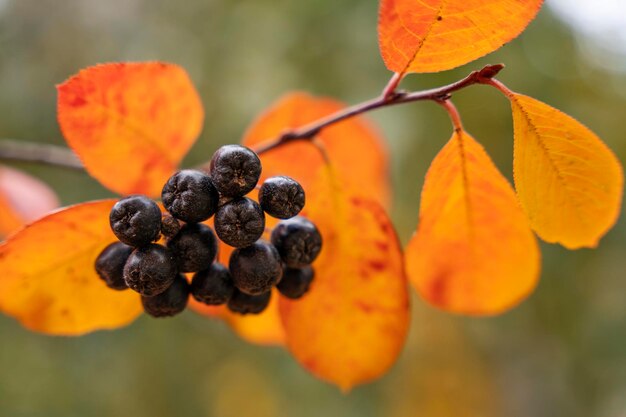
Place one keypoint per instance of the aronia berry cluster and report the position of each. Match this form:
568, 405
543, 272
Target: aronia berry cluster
190, 197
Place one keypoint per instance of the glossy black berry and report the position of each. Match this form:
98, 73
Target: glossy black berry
298, 241
190, 196
235, 170
170, 302
240, 223
281, 197
296, 282
248, 304
136, 220
110, 265
150, 270
256, 268
169, 226
194, 247
212, 286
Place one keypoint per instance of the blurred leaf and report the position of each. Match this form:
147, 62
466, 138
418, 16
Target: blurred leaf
22, 199
569, 182
48, 279
130, 123
351, 325
437, 35
473, 252
354, 145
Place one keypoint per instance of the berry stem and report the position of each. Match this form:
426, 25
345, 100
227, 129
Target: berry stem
390, 97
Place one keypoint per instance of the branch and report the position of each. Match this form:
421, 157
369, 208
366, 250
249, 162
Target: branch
388, 98
16, 150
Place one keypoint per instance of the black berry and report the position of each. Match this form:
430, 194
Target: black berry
136, 220
170, 302
190, 196
248, 304
235, 170
169, 226
281, 197
298, 241
255, 269
240, 223
212, 286
110, 265
295, 282
194, 247
150, 270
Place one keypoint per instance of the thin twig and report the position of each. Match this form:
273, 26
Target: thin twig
387, 99
59, 156
17, 150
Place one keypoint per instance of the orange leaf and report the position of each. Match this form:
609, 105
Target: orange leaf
22, 199
130, 123
353, 145
48, 279
568, 181
437, 35
351, 326
473, 252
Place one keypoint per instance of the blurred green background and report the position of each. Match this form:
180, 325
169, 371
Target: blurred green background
561, 353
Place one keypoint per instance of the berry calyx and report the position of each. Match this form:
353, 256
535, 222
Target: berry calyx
213, 286
235, 170
298, 241
281, 197
170, 302
110, 265
189, 195
150, 270
296, 282
169, 226
243, 303
240, 222
194, 247
136, 220
256, 268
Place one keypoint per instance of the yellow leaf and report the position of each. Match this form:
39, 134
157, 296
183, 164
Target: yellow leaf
569, 182
473, 252
437, 35
48, 279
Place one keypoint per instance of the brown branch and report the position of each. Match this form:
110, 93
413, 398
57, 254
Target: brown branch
14, 150
387, 99
17, 150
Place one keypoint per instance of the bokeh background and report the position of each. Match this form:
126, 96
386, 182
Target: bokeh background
561, 353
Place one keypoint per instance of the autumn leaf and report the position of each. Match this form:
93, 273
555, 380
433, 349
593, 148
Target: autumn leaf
437, 35
351, 325
130, 123
354, 145
474, 252
48, 279
568, 181
23, 199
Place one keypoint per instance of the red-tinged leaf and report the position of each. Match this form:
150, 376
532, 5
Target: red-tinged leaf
22, 199
354, 146
569, 182
351, 325
437, 35
48, 279
130, 123
474, 252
